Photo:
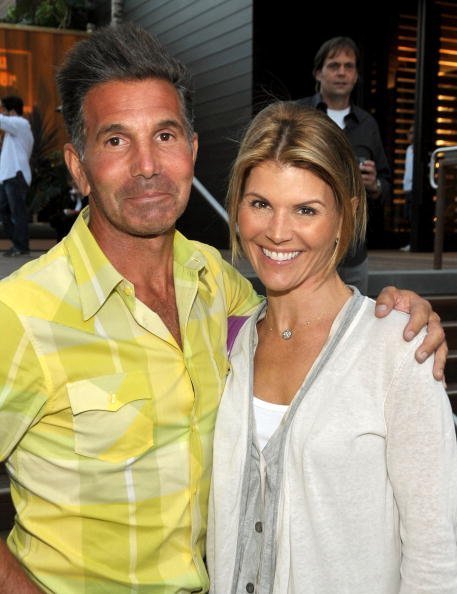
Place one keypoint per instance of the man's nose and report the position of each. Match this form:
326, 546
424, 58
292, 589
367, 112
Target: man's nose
146, 161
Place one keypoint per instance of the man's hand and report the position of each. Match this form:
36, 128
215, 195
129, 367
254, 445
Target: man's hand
370, 177
422, 314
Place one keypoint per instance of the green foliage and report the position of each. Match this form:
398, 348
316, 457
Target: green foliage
49, 187
51, 13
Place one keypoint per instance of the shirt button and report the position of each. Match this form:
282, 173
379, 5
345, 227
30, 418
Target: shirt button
250, 587
128, 290
258, 527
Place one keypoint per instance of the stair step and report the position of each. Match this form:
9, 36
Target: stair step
450, 328
451, 368
445, 306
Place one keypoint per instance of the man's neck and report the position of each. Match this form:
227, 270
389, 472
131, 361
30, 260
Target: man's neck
336, 102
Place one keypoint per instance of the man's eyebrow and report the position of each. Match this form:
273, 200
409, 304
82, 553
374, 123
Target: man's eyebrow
121, 128
170, 123
110, 128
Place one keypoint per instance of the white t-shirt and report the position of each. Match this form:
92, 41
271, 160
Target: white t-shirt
408, 176
17, 147
338, 115
268, 416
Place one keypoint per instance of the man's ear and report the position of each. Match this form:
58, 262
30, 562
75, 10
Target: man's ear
76, 169
195, 146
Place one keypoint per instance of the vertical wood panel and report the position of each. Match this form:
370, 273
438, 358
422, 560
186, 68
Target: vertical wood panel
29, 57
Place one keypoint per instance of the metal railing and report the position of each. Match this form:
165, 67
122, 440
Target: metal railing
210, 199
442, 161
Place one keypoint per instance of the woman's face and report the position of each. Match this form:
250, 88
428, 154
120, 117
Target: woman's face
288, 224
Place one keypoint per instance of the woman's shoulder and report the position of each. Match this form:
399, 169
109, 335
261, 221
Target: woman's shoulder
388, 329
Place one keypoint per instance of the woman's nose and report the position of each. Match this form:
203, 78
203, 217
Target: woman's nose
279, 229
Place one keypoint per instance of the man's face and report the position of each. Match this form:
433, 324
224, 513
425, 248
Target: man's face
138, 161
338, 75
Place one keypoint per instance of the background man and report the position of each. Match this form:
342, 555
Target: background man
15, 174
115, 360
408, 182
336, 73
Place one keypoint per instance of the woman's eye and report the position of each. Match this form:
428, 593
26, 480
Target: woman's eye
306, 210
259, 204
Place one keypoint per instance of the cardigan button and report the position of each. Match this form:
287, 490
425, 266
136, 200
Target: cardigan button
258, 527
250, 588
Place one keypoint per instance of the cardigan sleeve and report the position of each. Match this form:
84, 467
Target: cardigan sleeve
422, 467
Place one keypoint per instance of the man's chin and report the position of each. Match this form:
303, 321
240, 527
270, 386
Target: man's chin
150, 231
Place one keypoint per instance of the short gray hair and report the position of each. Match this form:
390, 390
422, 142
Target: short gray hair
122, 52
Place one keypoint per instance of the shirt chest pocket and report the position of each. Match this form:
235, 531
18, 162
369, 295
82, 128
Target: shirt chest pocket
112, 416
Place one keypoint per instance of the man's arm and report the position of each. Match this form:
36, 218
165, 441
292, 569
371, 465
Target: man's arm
376, 172
422, 314
12, 577
12, 124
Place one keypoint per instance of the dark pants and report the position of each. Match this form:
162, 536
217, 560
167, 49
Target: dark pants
13, 211
408, 206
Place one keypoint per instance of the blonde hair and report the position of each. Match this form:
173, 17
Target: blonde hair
303, 137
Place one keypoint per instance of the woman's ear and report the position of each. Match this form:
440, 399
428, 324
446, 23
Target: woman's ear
355, 204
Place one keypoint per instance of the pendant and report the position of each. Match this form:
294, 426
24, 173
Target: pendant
286, 334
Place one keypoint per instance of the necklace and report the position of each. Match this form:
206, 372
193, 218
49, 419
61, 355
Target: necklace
287, 333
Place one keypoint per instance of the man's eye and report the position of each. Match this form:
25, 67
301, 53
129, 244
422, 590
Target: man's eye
165, 136
114, 141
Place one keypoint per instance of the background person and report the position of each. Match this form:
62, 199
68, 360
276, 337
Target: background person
115, 357
15, 174
408, 182
62, 221
336, 73
335, 457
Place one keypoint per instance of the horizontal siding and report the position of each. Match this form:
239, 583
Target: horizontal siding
182, 17
214, 39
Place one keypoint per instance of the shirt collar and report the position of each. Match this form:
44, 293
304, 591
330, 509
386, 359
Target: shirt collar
97, 278
320, 104
187, 254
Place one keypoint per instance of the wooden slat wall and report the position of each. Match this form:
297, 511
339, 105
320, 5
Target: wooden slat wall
446, 118
405, 79
29, 57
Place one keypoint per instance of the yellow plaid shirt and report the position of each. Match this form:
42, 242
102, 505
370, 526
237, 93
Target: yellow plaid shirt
106, 424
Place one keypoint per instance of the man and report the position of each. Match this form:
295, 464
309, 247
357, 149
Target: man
336, 74
15, 174
116, 353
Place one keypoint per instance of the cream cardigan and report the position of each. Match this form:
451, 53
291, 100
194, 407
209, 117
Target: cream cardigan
365, 500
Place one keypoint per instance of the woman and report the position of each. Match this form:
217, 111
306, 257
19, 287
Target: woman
335, 462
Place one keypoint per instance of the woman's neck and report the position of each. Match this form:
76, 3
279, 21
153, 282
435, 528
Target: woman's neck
306, 305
